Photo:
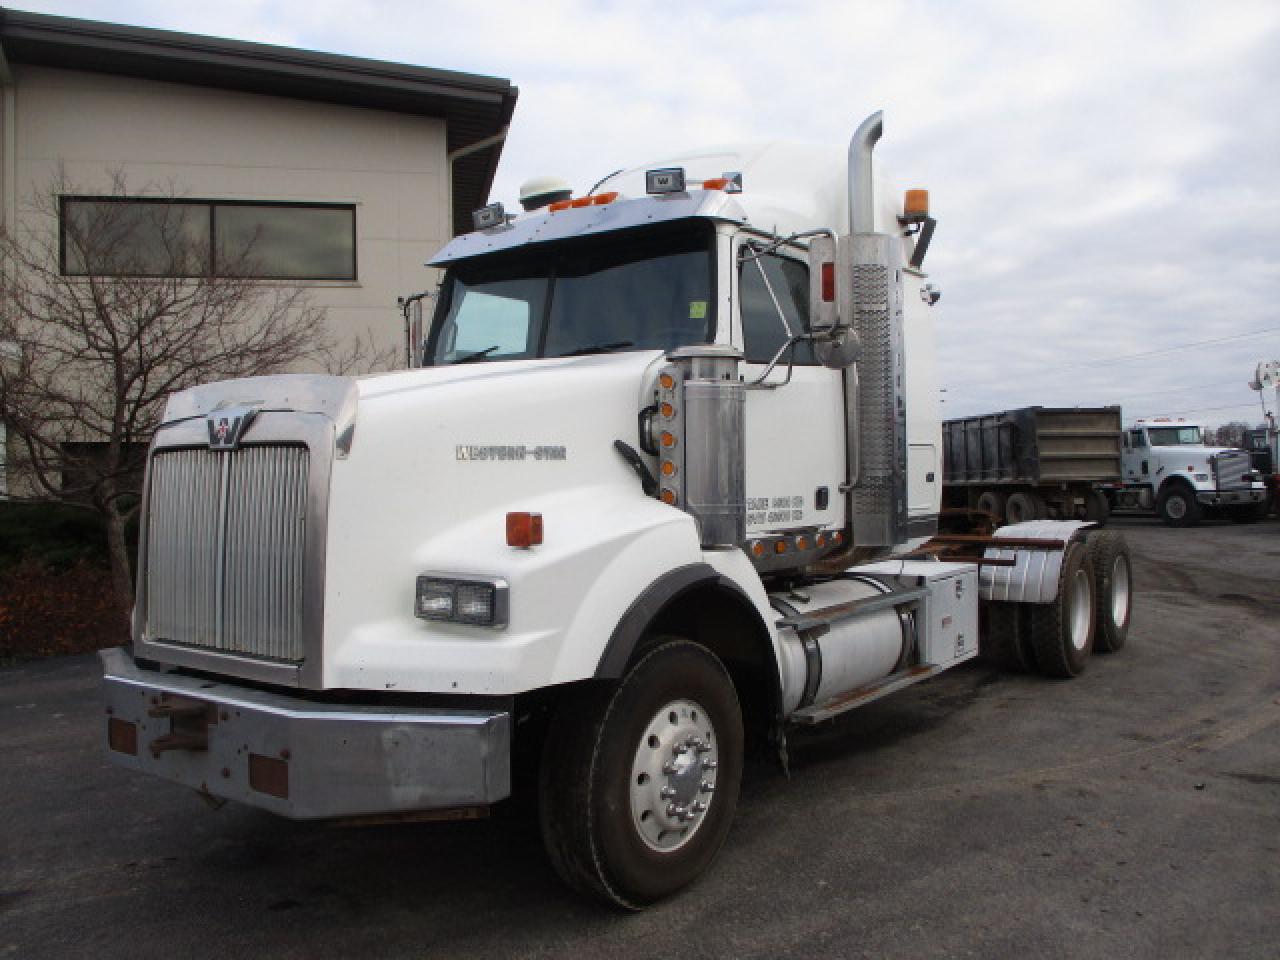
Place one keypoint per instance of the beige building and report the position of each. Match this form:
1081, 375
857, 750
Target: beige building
348, 172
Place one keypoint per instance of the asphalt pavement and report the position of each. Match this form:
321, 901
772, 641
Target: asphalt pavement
1132, 812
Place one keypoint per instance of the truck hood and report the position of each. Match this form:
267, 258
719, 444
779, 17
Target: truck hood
1194, 452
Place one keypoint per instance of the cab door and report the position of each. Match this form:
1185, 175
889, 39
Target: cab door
795, 433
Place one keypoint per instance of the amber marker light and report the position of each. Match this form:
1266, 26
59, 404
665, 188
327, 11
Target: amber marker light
780, 547
668, 439
916, 205
524, 529
802, 543
668, 411
719, 183
668, 496
668, 468
601, 199
757, 549
667, 381
560, 205
821, 540
837, 538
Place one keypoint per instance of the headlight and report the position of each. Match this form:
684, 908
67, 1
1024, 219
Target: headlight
475, 600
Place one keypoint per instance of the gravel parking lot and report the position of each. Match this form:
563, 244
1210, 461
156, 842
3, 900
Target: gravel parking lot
1133, 812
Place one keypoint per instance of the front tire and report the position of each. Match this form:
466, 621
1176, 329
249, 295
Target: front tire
639, 779
1177, 505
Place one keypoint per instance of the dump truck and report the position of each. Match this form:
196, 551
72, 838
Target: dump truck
662, 486
1032, 463
1168, 468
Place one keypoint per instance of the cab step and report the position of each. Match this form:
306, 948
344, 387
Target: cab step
807, 716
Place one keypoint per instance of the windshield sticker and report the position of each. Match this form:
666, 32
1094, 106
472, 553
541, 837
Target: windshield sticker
467, 451
697, 309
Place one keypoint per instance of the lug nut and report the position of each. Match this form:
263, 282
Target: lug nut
667, 793
708, 786
675, 810
679, 748
710, 764
670, 767
704, 748
698, 806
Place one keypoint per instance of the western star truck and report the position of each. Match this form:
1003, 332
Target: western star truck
1032, 463
1169, 469
662, 485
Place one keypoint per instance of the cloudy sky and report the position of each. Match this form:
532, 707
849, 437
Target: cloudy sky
1105, 174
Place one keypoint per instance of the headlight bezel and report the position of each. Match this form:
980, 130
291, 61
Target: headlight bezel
460, 589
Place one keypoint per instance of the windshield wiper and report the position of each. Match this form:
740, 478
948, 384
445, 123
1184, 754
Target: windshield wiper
599, 348
478, 355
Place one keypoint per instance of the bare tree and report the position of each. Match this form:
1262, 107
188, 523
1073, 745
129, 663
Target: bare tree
1231, 434
106, 308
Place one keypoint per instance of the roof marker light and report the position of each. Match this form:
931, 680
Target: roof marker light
601, 199
559, 205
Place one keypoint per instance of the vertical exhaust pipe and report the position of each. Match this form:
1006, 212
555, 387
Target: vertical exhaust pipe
861, 184
875, 388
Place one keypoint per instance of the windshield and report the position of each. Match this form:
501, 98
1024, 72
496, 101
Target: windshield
1174, 436
648, 289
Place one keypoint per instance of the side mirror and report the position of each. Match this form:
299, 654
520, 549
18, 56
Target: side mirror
831, 302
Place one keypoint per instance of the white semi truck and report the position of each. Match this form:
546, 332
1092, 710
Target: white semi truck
664, 485
1168, 468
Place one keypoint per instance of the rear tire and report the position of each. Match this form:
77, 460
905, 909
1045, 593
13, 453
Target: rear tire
625, 811
1024, 506
1248, 513
1177, 505
1113, 577
1004, 642
993, 502
1097, 509
1062, 632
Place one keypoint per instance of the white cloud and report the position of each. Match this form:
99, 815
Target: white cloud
1103, 172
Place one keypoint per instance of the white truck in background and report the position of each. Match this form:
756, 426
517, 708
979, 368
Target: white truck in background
663, 485
1168, 468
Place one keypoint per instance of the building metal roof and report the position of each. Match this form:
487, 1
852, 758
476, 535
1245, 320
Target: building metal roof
475, 108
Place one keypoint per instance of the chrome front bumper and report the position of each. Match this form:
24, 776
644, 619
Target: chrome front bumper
300, 759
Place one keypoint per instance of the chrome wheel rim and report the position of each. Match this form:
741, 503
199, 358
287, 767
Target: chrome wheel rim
1176, 507
1120, 592
673, 775
1081, 609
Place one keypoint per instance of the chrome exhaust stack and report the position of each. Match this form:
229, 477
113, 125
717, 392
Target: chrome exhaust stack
875, 389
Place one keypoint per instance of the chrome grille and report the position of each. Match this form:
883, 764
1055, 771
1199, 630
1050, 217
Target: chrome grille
225, 549
1230, 469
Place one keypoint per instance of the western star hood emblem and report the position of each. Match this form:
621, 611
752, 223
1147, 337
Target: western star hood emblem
227, 426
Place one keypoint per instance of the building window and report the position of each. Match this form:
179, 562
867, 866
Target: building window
141, 237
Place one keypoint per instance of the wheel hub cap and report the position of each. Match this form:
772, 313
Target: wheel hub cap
673, 775
1120, 592
1081, 611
